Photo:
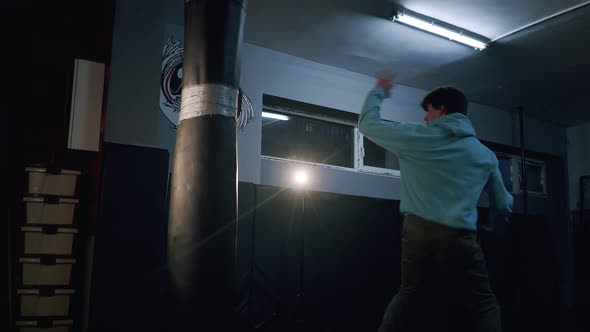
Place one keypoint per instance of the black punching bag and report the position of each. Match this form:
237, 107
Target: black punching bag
203, 213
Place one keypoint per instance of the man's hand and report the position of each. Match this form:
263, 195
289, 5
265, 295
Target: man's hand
385, 80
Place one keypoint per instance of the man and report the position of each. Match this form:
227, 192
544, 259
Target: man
444, 169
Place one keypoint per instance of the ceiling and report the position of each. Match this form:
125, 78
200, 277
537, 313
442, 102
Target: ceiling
544, 68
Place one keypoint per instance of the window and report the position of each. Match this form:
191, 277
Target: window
297, 131
510, 168
302, 132
374, 158
292, 136
535, 177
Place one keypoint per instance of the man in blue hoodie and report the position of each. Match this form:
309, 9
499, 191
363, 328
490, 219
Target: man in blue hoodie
444, 168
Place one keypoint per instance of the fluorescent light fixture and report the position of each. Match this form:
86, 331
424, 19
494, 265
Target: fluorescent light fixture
430, 26
275, 116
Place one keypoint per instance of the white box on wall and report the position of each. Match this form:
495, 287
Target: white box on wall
86, 106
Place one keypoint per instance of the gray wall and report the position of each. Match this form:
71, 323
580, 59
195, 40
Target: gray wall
540, 136
578, 160
134, 116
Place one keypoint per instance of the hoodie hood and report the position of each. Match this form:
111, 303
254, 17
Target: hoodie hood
457, 123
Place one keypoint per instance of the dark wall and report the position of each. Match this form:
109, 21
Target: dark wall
351, 250
351, 255
524, 273
351, 258
129, 289
352, 262
554, 208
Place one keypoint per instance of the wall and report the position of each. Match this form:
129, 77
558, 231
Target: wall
133, 113
540, 136
578, 160
134, 116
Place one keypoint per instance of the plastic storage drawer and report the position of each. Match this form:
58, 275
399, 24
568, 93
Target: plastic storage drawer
48, 240
46, 271
50, 210
37, 303
59, 183
41, 326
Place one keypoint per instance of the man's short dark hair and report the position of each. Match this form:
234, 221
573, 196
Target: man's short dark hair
452, 98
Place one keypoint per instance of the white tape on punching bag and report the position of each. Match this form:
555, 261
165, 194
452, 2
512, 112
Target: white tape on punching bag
208, 99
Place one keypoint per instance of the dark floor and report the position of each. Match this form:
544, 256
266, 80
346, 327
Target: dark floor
564, 320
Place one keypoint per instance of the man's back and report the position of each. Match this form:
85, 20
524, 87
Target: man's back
444, 168
444, 173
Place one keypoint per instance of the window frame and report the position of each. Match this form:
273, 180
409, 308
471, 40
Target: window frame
358, 147
371, 169
289, 112
359, 153
516, 174
517, 179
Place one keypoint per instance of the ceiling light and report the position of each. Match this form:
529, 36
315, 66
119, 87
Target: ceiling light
439, 28
275, 116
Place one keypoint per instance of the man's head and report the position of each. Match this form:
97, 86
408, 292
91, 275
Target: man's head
443, 101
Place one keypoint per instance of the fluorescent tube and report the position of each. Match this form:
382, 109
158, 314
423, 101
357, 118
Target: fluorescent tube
439, 30
274, 116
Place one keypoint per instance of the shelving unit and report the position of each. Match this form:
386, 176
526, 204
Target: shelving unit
45, 261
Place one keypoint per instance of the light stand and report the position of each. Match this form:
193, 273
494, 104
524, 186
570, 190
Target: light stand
299, 314
253, 275
296, 319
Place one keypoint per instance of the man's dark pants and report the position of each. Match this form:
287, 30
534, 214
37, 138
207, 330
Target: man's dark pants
451, 259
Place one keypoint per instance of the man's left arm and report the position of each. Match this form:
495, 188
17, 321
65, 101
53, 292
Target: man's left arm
392, 136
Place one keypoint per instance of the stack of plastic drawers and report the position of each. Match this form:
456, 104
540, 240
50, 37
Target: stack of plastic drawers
46, 265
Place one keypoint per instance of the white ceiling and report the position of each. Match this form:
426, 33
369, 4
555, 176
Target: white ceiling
544, 68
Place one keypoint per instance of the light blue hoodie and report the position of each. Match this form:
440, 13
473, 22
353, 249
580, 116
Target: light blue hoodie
444, 167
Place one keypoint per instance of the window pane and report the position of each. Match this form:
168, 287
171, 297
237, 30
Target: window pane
505, 166
377, 156
311, 140
534, 177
